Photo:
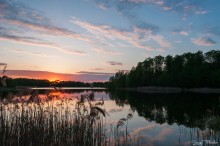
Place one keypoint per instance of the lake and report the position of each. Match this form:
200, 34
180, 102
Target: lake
157, 119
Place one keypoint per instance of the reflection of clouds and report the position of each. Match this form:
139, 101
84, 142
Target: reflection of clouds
113, 110
137, 131
149, 135
146, 140
163, 133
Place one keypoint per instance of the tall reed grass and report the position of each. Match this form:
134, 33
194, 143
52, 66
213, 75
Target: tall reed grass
32, 119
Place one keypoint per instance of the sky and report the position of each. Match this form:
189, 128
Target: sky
90, 40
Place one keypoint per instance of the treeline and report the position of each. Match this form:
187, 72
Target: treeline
188, 70
12, 83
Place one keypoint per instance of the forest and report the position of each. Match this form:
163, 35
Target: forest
189, 70
13, 83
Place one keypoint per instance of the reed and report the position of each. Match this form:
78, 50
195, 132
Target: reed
33, 119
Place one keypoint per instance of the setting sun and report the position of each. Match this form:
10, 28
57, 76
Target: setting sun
52, 79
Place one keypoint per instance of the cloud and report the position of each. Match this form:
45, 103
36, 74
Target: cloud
181, 32
95, 73
139, 36
161, 41
201, 12
17, 14
47, 29
178, 41
103, 51
17, 10
30, 66
97, 69
61, 76
3, 64
214, 31
31, 53
141, 1
102, 6
201, 41
10, 36
184, 31
184, 8
113, 63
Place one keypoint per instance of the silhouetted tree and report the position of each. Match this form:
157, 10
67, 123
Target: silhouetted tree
187, 70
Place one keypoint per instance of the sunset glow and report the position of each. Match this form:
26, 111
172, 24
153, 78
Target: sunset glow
53, 79
91, 40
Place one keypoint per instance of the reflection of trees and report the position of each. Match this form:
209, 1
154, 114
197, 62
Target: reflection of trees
183, 109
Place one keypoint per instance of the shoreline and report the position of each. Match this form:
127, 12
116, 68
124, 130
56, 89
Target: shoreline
154, 89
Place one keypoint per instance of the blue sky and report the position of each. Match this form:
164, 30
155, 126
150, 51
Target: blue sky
97, 38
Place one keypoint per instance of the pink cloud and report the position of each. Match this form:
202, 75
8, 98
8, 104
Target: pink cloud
201, 41
103, 51
3, 64
31, 53
47, 29
97, 69
138, 37
113, 63
35, 42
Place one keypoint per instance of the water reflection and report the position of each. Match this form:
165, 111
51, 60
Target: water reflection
182, 109
158, 119
198, 113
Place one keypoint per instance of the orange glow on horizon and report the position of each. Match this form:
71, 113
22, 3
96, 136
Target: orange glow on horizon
51, 76
53, 79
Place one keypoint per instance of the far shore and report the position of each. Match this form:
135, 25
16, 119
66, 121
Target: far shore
154, 89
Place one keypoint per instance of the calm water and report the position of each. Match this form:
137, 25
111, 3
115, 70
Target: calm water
161, 119
69, 88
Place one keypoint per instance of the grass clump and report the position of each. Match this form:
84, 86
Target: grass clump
29, 118
48, 120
